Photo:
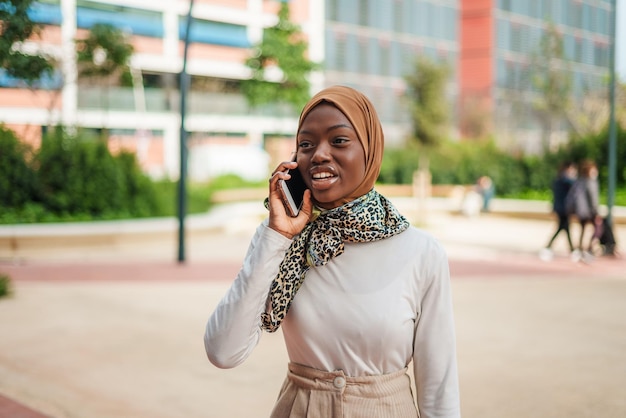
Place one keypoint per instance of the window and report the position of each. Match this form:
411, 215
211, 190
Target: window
135, 21
340, 53
575, 15
578, 50
516, 38
398, 15
47, 13
385, 57
219, 33
364, 12
363, 55
332, 10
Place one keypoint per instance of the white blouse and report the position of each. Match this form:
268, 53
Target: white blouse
369, 311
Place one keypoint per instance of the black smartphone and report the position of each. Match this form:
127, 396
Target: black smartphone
293, 191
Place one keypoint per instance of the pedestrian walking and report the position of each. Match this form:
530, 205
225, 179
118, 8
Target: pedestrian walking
358, 292
583, 201
560, 188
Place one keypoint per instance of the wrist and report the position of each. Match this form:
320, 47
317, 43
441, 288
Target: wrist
281, 232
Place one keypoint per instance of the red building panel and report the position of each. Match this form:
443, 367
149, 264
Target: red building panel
477, 47
476, 68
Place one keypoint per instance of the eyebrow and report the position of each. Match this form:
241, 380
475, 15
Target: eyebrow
330, 128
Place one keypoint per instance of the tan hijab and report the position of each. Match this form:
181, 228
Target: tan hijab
363, 117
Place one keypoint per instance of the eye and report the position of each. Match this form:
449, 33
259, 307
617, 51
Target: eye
341, 140
304, 144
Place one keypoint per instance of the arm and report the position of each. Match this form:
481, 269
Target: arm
233, 330
434, 351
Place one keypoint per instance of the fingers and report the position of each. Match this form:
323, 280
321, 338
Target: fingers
281, 172
284, 166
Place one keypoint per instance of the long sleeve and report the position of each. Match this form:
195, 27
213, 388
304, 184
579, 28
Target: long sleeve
233, 330
434, 355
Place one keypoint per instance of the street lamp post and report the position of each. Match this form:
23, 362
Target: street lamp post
612, 148
182, 189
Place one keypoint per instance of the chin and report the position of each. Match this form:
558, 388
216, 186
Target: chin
325, 202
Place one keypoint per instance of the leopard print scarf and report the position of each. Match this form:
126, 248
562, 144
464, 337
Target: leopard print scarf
370, 217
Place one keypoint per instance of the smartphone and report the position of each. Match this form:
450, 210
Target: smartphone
293, 191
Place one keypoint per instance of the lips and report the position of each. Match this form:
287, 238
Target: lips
322, 178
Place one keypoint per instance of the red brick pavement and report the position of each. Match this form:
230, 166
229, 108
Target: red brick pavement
502, 266
11, 409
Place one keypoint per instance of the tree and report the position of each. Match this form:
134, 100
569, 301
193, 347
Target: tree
551, 78
104, 54
15, 28
428, 105
429, 114
589, 115
283, 51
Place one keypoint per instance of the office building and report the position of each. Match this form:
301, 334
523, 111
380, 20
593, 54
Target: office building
501, 52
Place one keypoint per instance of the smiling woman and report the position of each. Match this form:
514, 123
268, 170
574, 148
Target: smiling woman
359, 293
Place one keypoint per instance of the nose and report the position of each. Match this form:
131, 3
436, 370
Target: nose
322, 153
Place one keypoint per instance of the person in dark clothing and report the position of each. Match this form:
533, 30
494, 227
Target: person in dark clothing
560, 188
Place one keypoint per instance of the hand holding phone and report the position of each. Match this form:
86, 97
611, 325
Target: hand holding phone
293, 192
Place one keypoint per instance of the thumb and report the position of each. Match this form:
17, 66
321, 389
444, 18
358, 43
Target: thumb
307, 205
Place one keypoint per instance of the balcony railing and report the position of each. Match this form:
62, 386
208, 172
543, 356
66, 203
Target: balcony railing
160, 100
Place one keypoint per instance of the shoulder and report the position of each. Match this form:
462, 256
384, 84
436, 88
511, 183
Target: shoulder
422, 244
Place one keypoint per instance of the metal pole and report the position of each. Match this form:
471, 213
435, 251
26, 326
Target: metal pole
612, 149
182, 189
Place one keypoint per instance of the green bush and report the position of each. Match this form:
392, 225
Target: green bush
140, 198
18, 181
521, 176
5, 285
456, 163
198, 197
80, 177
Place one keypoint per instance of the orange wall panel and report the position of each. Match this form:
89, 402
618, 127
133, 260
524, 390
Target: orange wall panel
233, 4
41, 99
477, 47
217, 52
49, 35
144, 44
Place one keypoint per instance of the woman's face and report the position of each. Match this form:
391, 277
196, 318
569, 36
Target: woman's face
330, 155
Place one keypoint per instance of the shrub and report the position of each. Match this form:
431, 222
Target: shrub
140, 196
18, 180
5, 285
79, 175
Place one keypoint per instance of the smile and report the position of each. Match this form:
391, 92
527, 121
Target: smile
324, 175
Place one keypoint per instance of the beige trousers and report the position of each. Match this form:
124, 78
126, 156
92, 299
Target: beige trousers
311, 393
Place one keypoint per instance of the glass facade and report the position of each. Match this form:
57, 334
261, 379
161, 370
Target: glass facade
520, 27
372, 45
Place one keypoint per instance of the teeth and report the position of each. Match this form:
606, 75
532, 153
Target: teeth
322, 175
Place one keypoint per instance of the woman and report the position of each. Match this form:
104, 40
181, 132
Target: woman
359, 293
583, 200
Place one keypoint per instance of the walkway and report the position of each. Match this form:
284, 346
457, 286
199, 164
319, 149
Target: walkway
116, 331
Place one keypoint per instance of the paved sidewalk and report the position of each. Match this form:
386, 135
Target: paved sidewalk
117, 332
